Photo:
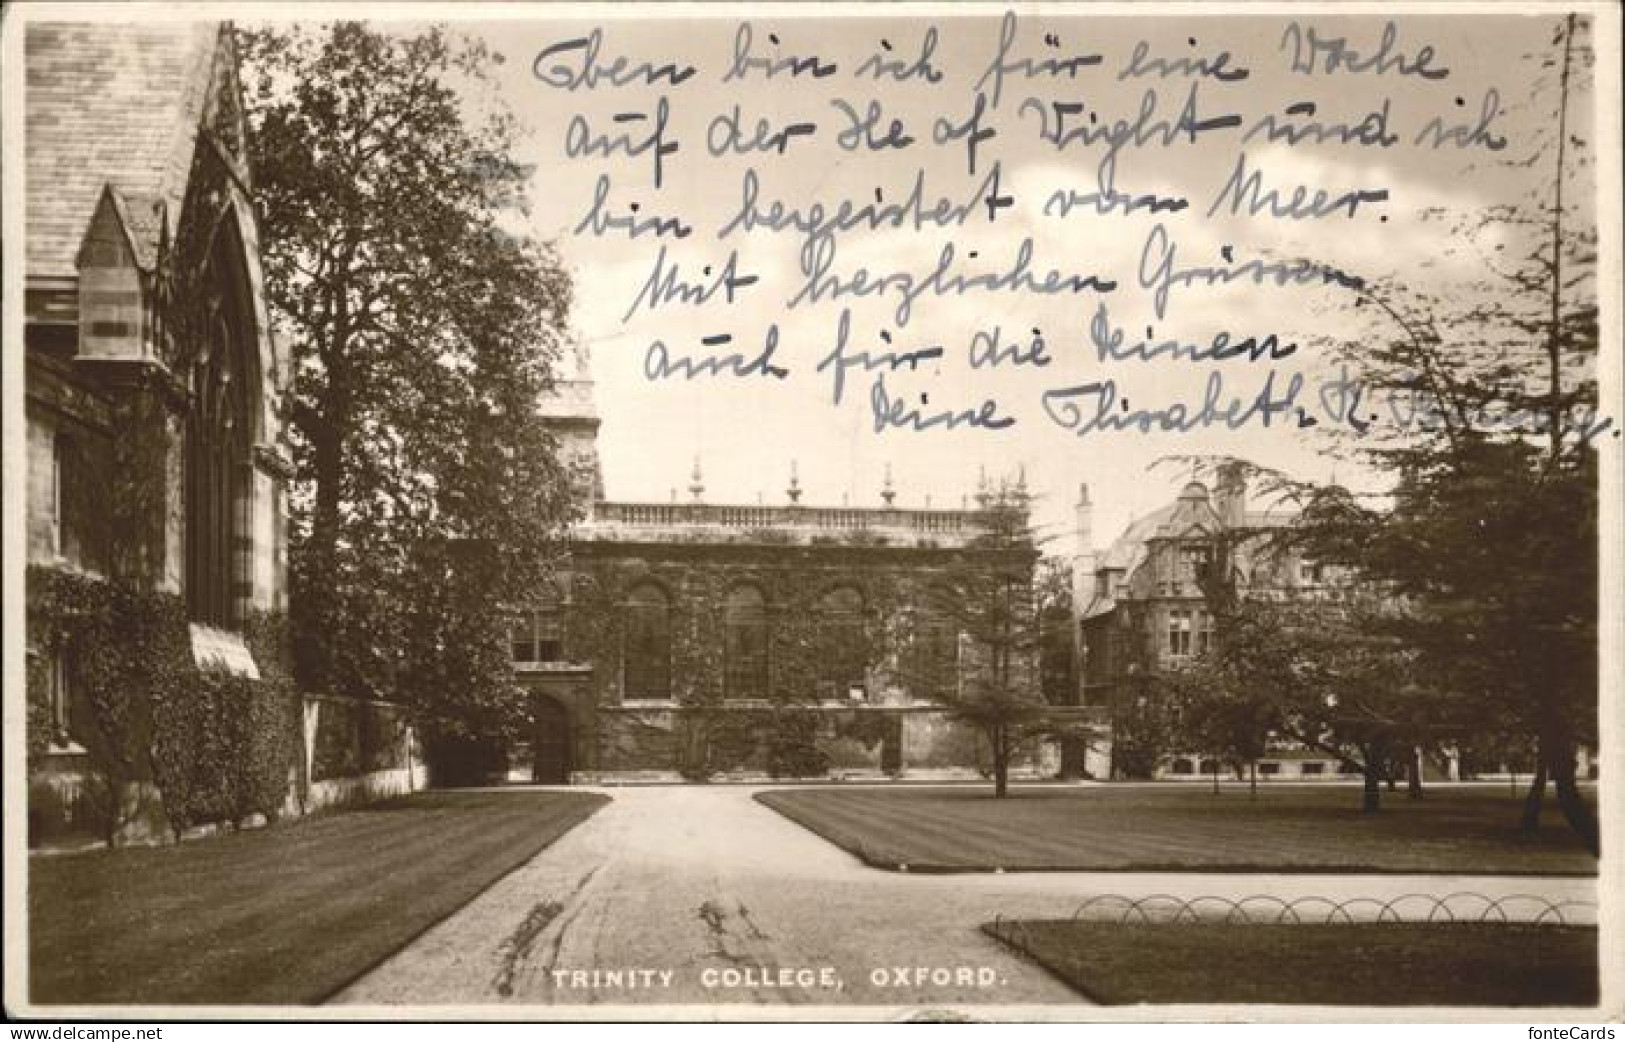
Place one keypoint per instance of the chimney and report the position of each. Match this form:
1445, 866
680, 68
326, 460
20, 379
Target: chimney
1083, 569
1230, 496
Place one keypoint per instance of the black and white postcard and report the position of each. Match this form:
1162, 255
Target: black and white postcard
852, 511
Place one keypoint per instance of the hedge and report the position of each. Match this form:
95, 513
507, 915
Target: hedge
224, 752
218, 746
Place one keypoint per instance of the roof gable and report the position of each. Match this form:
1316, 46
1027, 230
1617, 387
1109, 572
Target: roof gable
110, 105
135, 223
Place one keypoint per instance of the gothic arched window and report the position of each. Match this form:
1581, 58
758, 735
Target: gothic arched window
646, 653
219, 443
744, 644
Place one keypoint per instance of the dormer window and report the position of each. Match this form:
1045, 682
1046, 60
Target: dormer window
1194, 562
113, 319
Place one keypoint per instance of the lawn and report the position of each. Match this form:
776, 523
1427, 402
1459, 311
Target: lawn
1468, 831
1361, 964
285, 915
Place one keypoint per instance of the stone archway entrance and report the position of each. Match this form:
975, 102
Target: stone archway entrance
550, 742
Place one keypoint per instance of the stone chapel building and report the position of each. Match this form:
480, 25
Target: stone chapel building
154, 451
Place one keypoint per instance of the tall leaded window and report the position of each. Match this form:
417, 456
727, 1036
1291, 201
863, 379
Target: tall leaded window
843, 657
219, 442
1179, 633
1204, 633
744, 648
646, 653
538, 636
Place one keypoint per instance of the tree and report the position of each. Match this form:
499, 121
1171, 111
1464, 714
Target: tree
1223, 710
1324, 666
1352, 691
1058, 665
1492, 535
988, 607
421, 336
1145, 723
1226, 700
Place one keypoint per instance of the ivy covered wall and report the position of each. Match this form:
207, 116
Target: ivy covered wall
790, 726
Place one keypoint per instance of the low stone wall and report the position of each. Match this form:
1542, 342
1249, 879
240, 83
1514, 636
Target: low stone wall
355, 751
752, 743
361, 788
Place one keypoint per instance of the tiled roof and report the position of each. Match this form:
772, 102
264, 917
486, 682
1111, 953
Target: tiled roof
1129, 548
143, 217
109, 104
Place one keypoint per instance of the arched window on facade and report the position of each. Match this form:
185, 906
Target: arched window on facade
744, 644
219, 444
933, 647
843, 652
646, 656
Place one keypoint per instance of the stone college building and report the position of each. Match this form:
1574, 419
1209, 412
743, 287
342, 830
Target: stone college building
692, 639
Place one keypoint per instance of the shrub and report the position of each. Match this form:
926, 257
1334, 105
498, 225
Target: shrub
125, 650
192, 750
39, 719
793, 750
218, 746
262, 742
224, 749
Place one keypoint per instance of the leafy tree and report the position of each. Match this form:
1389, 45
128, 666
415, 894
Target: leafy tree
1058, 665
421, 334
1352, 689
1491, 538
1221, 709
990, 679
1327, 666
1145, 723
1494, 552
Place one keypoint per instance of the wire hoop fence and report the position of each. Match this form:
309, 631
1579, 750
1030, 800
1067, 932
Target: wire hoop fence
1463, 906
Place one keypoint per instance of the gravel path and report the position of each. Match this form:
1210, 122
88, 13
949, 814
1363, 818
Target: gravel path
700, 895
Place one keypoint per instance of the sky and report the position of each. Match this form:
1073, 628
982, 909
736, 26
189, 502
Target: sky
746, 431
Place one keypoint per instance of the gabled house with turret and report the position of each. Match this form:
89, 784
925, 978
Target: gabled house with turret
1142, 612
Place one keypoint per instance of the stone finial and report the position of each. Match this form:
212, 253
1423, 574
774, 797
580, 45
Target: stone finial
887, 492
794, 491
696, 483
983, 494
